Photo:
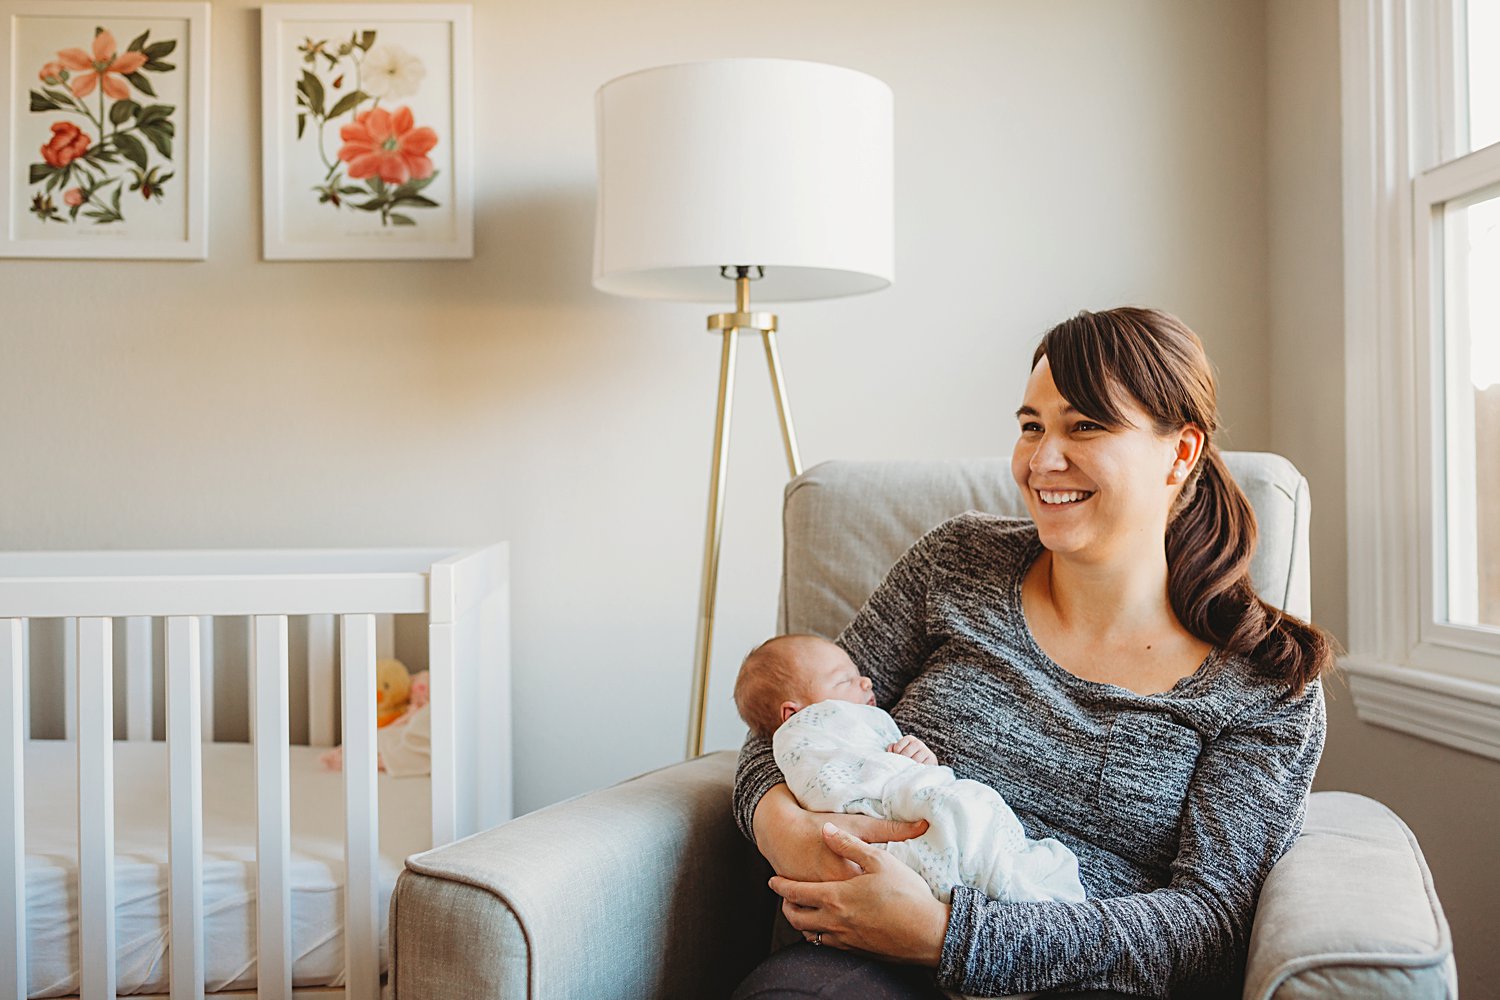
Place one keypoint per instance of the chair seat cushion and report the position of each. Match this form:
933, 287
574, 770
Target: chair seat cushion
1350, 911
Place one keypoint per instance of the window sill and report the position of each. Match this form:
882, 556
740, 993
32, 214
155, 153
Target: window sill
1449, 710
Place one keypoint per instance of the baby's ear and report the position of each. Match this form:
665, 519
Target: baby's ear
789, 709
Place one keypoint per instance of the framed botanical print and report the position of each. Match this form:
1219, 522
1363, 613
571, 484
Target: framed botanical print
104, 125
366, 131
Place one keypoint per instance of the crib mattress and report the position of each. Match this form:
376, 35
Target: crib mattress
141, 900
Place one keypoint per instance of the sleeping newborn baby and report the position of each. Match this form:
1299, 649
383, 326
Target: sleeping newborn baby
839, 753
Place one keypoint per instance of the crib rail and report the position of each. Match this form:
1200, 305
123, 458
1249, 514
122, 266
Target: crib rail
351, 595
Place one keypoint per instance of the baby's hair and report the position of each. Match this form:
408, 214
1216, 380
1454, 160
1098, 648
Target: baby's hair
766, 675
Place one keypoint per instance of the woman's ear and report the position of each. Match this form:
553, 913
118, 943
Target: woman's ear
1187, 451
789, 709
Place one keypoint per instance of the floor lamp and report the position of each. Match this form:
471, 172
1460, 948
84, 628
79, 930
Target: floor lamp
767, 173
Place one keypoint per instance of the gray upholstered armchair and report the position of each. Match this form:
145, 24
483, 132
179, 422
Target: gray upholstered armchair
647, 889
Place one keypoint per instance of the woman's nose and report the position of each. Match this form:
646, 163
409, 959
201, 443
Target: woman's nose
1048, 456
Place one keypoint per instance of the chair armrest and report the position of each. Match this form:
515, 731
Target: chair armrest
645, 889
1350, 911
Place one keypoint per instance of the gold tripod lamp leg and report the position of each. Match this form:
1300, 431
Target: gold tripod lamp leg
704, 646
731, 324
783, 405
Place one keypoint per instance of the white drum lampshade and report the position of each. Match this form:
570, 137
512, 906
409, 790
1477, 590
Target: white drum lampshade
772, 163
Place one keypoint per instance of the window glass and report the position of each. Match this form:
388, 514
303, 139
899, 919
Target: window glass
1482, 24
1472, 412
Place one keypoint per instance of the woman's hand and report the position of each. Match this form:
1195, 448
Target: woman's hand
791, 837
887, 910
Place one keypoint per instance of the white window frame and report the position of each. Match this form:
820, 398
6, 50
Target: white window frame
1408, 670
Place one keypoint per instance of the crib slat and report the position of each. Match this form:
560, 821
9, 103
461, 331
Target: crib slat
138, 679
206, 674
70, 678
273, 810
26, 678
440, 678
12, 812
361, 811
322, 711
96, 808
185, 806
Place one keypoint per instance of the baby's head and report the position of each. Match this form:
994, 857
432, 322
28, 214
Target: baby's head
784, 675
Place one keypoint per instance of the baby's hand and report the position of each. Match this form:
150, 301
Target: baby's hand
910, 746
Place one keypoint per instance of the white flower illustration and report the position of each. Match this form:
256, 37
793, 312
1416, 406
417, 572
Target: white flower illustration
391, 71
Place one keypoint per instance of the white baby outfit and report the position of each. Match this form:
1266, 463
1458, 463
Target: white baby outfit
833, 756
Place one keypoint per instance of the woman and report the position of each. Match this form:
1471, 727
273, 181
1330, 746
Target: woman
1108, 668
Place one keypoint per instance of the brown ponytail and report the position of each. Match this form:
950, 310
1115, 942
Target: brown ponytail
1154, 359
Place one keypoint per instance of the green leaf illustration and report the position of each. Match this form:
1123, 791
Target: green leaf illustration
40, 172
156, 112
301, 125
402, 220
313, 88
366, 39
157, 66
122, 111
131, 148
140, 83
415, 199
346, 102
41, 102
160, 135
139, 43
160, 49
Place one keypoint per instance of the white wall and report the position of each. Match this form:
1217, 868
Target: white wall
1050, 156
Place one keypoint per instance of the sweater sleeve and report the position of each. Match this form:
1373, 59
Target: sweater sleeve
1243, 810
888, 642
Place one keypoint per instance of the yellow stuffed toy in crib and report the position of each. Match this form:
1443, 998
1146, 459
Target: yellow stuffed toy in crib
401, 713
392, 691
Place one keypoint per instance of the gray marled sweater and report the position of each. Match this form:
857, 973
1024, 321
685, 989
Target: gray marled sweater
1177, 804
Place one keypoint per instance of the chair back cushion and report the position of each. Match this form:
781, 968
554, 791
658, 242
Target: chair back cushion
846, 523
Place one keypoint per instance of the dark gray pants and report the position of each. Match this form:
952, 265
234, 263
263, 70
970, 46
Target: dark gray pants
830, 974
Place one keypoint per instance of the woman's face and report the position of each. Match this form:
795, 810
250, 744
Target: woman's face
1094, 492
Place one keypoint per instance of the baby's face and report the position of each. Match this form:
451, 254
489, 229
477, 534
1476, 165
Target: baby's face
829, 675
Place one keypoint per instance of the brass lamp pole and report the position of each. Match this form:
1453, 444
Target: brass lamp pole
731, 324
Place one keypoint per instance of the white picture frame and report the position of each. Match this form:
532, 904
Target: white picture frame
366, 129
105, 152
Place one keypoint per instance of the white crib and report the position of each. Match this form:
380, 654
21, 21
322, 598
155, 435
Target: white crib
465, 598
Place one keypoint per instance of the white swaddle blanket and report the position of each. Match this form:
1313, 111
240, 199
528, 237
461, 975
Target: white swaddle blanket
833, 756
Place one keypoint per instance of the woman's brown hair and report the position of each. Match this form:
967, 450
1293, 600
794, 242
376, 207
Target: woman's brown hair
1154, 359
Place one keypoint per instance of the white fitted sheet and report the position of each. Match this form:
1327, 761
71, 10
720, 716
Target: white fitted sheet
141, 930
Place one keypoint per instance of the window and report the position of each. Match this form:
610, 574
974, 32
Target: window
1422, 246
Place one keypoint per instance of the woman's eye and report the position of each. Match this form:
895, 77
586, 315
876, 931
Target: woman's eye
1031, 427
1087, 425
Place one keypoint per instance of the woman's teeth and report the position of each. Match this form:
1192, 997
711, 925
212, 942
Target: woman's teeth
1063, 496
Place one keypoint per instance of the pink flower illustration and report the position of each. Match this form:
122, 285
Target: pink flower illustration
386, 143
51, 73
73, 197
105, 66
67, 144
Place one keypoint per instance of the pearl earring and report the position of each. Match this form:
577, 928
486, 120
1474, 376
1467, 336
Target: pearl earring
1179, 470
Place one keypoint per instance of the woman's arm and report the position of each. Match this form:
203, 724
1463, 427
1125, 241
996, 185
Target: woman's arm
1244, 809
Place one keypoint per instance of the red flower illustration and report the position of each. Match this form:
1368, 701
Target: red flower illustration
51, 73
73, 197
67, 144
106, 67
387, 143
